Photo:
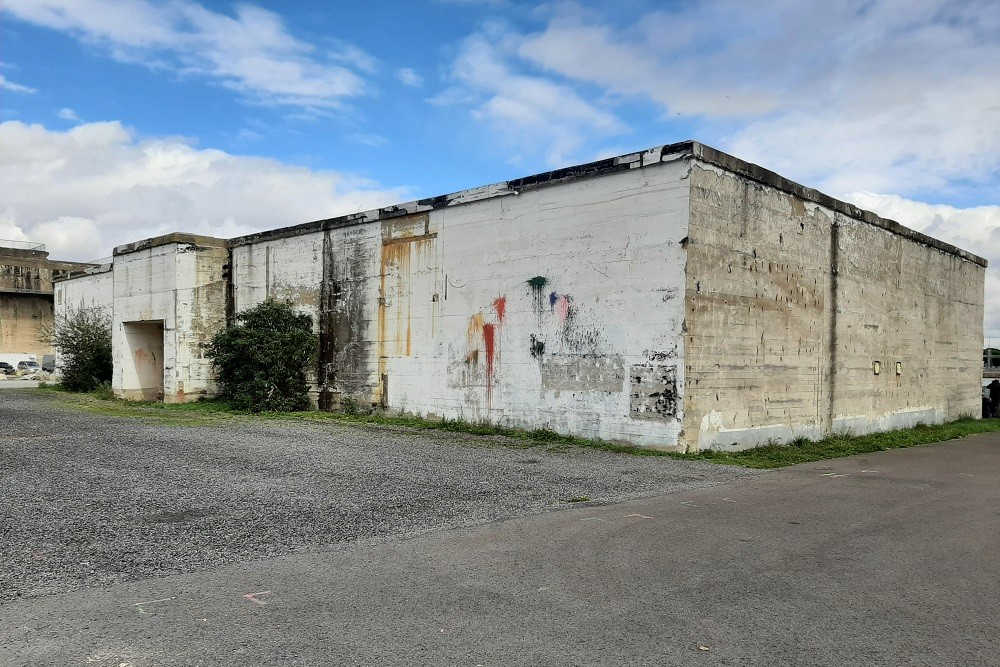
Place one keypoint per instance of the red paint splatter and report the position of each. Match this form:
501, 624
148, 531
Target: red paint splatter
489, 331
500, 305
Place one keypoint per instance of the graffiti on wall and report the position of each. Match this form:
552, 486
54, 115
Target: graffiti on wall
483, 343
560, 305
570, 350
536, 287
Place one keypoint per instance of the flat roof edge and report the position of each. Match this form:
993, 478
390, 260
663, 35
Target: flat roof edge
90, 270
621, 163
167, 239
657, 155
764, 176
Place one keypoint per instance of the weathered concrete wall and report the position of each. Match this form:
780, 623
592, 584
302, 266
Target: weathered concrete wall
789, 306
284, 269
560, 307
352, 317
177, 284
26, 299
93, 289
901, 302
26, 313
24, 321
287, 269
673, 298
26, 272
557, 308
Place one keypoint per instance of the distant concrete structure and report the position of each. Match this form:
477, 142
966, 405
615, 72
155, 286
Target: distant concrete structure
676, 298
26, 296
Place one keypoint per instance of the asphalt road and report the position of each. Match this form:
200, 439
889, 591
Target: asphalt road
886, 559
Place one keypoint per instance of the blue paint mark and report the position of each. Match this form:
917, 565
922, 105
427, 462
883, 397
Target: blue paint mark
553, 298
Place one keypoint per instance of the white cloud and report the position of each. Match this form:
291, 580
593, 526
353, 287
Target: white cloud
892, 95
409, 78
66, 235
9, 230
636, 62
370, 140
251, 52
452, 96
976, 229
349, 54
531, 113
6, 84
95, 186
69, 114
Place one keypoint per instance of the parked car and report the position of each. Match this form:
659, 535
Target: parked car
29, 366
6, 368
49, 363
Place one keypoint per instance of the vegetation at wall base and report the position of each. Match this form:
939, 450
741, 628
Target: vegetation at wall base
767, 456
83, 339
261, 358
837, 446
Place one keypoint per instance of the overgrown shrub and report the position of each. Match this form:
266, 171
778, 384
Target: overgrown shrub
261, 358
83, 339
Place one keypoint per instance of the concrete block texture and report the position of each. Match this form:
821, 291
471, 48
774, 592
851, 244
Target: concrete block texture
803, 321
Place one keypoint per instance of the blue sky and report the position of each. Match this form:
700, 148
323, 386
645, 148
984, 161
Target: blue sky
127, 118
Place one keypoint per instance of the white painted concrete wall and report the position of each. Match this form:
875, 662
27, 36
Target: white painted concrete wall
289, 269
92, 290
181, 286
435, 314
609, 314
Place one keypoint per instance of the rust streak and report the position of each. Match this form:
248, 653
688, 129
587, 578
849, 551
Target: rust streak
475, 331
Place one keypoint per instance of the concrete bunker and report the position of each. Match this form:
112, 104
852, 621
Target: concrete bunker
674, 298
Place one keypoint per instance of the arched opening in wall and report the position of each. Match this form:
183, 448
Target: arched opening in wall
142, 368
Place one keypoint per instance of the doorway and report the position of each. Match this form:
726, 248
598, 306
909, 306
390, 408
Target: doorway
142, 369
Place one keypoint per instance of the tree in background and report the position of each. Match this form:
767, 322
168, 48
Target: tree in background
262, 357
83, 339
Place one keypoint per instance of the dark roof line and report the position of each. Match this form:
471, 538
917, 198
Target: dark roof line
684, 150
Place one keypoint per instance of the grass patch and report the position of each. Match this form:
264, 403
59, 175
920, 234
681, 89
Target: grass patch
836, 446
766, 456
102, 402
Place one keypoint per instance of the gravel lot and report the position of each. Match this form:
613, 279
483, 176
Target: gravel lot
88, 499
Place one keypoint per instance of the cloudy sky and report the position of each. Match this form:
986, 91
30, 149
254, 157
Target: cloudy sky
123, 119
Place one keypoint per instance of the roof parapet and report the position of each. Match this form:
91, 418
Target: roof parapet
167, 239
684, 150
